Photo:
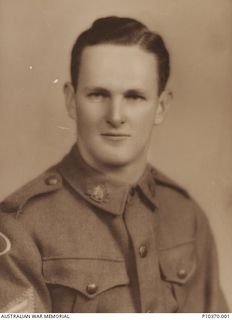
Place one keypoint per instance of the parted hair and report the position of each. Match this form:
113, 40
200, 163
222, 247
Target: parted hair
122, 31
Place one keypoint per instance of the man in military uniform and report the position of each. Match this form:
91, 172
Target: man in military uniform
104, 231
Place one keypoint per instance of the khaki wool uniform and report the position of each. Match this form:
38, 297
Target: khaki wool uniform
74, 240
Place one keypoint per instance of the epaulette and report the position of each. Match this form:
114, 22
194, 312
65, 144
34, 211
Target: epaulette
164, 181
47, 182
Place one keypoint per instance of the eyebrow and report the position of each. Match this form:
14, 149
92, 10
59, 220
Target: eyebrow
135, 92
106, 91
98, 89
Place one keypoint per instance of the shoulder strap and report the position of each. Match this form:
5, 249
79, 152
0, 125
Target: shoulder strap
164, 181
47, 182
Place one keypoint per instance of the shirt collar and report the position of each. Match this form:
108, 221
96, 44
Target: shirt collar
101, 190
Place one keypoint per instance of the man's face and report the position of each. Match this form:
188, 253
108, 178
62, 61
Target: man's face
116, 104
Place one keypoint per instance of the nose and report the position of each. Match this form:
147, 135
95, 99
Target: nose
115, 115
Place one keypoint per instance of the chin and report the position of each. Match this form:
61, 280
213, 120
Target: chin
102, 155
115, 160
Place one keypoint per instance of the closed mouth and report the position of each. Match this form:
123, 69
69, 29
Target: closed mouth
109, 134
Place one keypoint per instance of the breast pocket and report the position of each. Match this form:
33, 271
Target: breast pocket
177, 266
76, 284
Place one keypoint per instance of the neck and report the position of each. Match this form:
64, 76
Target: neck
129, 173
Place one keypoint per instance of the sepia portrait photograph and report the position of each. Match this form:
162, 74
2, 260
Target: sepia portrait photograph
115, 156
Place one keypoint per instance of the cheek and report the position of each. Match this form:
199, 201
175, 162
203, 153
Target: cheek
145, 119
88, 117
144, 126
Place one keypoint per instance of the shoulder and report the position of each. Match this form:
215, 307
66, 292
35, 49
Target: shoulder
13, 230
47, 183
165, 183
174, 196
171, 195
180, 215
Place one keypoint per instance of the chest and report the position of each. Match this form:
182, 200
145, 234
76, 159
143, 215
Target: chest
93, 261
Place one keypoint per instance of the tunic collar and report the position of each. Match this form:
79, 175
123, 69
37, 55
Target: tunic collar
101, 190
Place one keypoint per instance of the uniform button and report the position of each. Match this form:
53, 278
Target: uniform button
91, 288
143, 251
51, 181
182, 273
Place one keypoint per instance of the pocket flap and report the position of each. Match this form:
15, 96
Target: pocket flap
88, 276
178, 264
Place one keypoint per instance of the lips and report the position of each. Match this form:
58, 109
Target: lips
115, 136
109, 134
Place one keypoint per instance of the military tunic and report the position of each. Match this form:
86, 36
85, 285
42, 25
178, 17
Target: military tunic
75, 240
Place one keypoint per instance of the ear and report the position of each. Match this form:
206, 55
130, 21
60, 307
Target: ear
165, 99
70, 102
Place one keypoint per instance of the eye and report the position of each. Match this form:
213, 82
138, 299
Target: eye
97, 95
135, 97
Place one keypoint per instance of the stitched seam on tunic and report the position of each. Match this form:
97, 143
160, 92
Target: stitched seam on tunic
124, 201
178, 245
81, 258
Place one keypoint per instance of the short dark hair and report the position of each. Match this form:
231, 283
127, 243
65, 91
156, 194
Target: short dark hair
124, 31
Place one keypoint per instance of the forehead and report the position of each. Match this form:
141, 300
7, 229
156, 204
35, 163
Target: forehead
118, 64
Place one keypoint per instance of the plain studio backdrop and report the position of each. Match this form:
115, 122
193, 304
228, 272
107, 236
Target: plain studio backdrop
193, 146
